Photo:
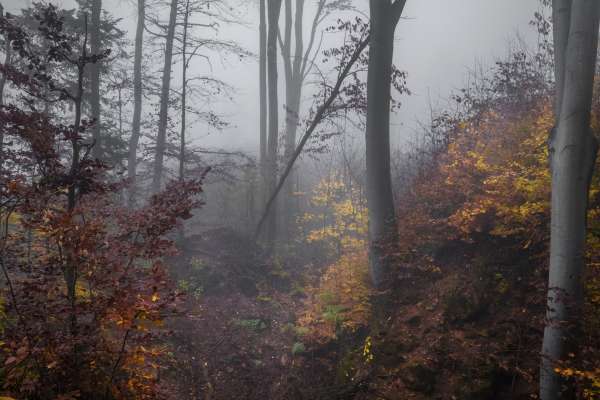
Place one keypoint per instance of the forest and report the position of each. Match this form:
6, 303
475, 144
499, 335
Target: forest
231, 200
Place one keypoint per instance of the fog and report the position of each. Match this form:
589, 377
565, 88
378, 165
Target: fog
437, 43
171, 230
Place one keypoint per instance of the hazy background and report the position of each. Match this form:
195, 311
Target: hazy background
437, 43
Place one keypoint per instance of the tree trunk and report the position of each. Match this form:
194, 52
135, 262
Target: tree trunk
7, 50
161, 137
263, 92
573, 152
274, 8
184, 92
137, 102
294, 79
95, 33
382, 218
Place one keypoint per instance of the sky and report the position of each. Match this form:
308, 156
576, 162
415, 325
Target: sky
437, 43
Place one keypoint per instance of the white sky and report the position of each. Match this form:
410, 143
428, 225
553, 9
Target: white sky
437, 42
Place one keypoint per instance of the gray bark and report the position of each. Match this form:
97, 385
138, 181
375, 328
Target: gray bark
297, 66
573, 152
263, 95
137, 102
274, 10
161, 137
382, 218
185, 65
561, 21
7, 50
95, 79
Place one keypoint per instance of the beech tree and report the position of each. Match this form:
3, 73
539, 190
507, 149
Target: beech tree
161, 137
137, 101
274, 10
385, 15
573, 150
262, 79
298, 62
95, 33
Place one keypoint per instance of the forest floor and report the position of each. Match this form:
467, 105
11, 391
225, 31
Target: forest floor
471, 332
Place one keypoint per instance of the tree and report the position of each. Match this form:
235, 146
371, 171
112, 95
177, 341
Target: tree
161, 137
137, 101
297, 66
385, 15
7, 51
274, 10
95, 38
262, 79
573, 151
339, 97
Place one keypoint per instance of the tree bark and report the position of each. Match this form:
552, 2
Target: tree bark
7, 50
137, 102
274, 9
184, 92
382, 218
95, 41
263, 95
161, 137
573, 152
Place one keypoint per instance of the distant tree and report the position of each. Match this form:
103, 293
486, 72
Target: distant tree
385, 15
573, 151
161, 136
262, 80
95, 42
274, 11
137, 102
298, 62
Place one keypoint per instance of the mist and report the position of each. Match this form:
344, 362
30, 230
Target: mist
299, 199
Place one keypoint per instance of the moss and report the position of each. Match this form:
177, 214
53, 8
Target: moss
298, 348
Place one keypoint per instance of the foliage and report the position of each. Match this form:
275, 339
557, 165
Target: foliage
87, 291
338, 218
486, 182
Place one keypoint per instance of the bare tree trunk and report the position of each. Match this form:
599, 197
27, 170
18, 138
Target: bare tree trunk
263, 92
7, 51
293, 93
573, 151
97, 151
184, 91
274, 8
137, 102
297, 66
161, 137
382, 217
184, 68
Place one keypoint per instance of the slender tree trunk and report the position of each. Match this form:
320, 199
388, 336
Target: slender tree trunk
263, 89
184, 92
382, 218
274, 8
7, 51
97, 151
294, 79
184, 68
137, 102
573, 152
161, 137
